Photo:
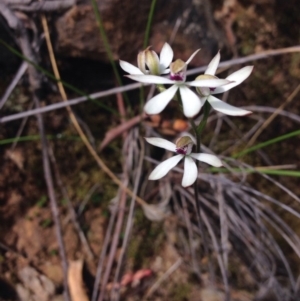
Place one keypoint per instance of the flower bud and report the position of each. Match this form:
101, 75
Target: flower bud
148, 59
184, 145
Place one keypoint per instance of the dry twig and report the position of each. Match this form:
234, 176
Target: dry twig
273, 116
34, 79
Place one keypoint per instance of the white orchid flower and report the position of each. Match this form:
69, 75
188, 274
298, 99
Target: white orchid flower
150, 63
206, 93
183, 148
191, 102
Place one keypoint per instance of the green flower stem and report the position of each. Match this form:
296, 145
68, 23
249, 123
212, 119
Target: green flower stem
142, 98
203, 122
178, 98
160, 88
198, 131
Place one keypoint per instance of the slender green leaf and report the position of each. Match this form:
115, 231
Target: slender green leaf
266, 143
149, 22
37, 137
107, 48
277, 172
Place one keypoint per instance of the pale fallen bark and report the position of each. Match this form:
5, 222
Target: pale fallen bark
76, 285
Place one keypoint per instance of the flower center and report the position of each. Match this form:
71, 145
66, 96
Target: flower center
182, 150
205, 91
178, 70
184, 145
177, 77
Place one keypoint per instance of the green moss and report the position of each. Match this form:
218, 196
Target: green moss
180, 292
148, 239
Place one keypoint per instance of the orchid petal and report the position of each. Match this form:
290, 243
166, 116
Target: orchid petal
163, 168
166, 56
165, 71
163, 143
141, 62
151, 79
205, 91
213, 65
190, 172
192, 56
129, 68
211, 83
156, 104
207, 158
152, 62
225, 108
190, 101
237, 78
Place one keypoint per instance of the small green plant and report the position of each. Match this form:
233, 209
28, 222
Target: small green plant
42, 201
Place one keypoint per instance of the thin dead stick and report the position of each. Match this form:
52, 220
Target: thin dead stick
265, 109
20, 130
164, 277
87, 198
103, 253
117, 131
72, 212
242, 137
245, 137
53, 203
273, 116
72, 102
201, 230
42, 6
130, 216
190, 237
13, 84
249, 58
226, 64
83, 137
216, 246
223, 223
175, 30
121, 208
114, 244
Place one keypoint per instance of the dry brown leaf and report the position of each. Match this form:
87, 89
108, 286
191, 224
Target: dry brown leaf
17, 157
76, 285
